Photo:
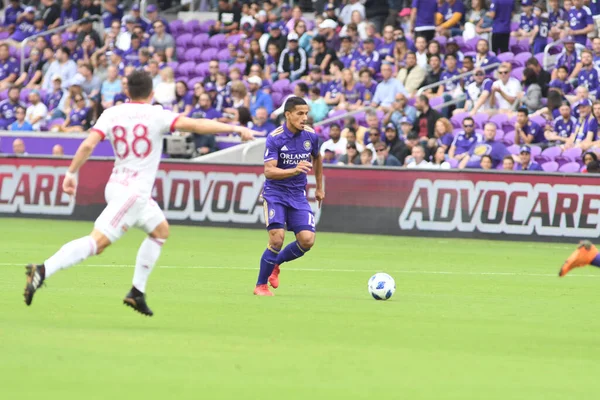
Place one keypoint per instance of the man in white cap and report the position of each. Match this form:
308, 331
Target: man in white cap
328, 28
258, 98
293, 61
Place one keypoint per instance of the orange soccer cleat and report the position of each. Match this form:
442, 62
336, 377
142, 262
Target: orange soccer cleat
262, 290
274, 278
584, 255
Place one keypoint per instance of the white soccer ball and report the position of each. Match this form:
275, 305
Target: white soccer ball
382, 286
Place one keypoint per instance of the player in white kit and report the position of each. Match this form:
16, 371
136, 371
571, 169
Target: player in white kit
135, 131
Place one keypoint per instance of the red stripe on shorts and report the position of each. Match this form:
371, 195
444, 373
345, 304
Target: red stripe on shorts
128, 204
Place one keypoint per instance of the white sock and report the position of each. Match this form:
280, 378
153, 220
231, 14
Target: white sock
146, 259
70, 254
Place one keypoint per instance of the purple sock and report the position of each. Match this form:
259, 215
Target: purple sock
596, 261
290, 253
267, 263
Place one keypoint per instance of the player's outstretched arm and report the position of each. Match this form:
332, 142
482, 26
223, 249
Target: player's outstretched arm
209, 127
320, 192
277, 174
83, 153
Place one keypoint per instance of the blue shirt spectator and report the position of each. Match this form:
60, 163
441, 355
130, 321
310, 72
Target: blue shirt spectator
387, 89
526, 163
258, 98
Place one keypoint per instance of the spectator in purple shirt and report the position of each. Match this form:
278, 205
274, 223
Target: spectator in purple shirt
557, 17
580, 22
69, 12
496, 150
526, 21
9, 106
183, 98
368, 58
78, 118
367, 86
347, 55
10, 16
568, 58
450, 17
112, 12
387, 45
526, 163
501, 12
484, 57
24, 27
9, 67
422, 18
527, 131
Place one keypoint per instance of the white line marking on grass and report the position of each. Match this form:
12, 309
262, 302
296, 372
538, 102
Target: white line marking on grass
332, 270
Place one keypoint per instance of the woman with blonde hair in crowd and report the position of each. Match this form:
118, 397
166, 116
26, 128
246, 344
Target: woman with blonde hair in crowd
164, 93
350, 92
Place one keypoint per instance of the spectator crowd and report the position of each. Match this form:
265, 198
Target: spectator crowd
426, 84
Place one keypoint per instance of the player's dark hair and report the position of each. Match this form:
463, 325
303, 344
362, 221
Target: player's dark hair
291, 103
139, 85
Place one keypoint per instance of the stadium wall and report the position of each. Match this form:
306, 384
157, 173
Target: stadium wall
392, 202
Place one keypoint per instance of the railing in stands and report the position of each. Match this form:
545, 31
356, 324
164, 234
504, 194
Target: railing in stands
455, 78
94, 18
550, 60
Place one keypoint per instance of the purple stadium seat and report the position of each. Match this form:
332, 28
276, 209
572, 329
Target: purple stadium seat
223, 55
186, 68
480, 120
180, 50
200, 40
435, 102
472, 43
453, 163
234, 39
499, 120
177, 27
499, 135
457, 119
55, 122
459, 40
184, 40
193, 54
206, 25
523, 57
240, 66
470, 54
218, 41
209, 54
509, 138
569, 156
192, 27
201, 69
513, 149
337, 113
517, 73
4, 95
508, 56
548, 154
24, 95
540, 58
281, 86
538, 119
277, 99
173, 65
535, 151
570, 167
324, 134
193, 81
224, 67
550, 166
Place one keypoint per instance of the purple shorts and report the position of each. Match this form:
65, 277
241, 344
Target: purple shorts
297, 219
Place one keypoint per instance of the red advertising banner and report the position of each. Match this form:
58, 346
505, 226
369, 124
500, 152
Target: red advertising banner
378, 201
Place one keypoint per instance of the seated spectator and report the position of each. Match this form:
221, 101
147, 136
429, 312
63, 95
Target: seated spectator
322, 56
350, 125
276, 37
434, 75
162, 41
258, 98
352, 156
496, 150
543, 76
589, 157
329, 157
561, 82
9, 106
421, 52
328, 28
318, 108
79, 117
478, 94
383, 158
580, 21
476, 21
24, 27
587, 73
261, 121
451, 88
412, 75
593, 167
562, 126
90, 84
333, 92
386, 47
336, 143
449, 18
568, 58
465, 140
183, 99
585, 129
438, 160
366, 157
122, 97
350, 92
315, 79
468, 65
9, 68
293, 60
347, 54
230, 15
486, 162
442, 136
527, 131
399, 54
37, 112
110, 87
557, 16
204, 109
369, 58
54, 98
406, 128
367, 86
531, 98
19, 148
20, 124
374, 138
526, 23
11, 13
58, 151
32, 75
526, 163
164, 93
387, 89
63, 66
392, 140
508, 163
418, 158
400, 110
505, 91
425, 123
483, 57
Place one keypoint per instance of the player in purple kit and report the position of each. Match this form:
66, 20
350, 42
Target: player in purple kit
526, 163
422, 18
292, 150
580, 22
562, 126
527, 131
9, 106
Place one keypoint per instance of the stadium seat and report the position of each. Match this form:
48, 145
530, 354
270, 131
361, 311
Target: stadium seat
281, 86
240, 66
218, 41
517, 73
193, 54
522, 58
223, 55
540, 58
509, 138
200, 40
506, 57
234, 39
550, 166
538, 119
548, 154
453, 163
471, 44
277, 98
535, 151
569, 156
570, 167
435, 102
201, 69
480, 120
499, 119
513, 149
193, 81
4, 94
184, 41
499, 135
192, 27
209, 54
177, 27
186, 69
206, 25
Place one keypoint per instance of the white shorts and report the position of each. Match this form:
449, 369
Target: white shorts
125, 209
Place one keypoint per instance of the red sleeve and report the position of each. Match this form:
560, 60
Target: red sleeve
173, 123
99, 132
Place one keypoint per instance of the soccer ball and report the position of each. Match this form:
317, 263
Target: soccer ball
382, 286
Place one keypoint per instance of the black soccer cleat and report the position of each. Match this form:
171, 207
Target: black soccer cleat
138, 303
35, 278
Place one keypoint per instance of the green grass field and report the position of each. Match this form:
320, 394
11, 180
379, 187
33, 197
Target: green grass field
469, 320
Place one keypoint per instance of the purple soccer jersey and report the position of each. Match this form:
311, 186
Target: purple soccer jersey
536, 131
448, 10
7, 112
579, 19
79, 117
367, 93
386, 49
463, 142
198, 112
285, 200
557, 16
526, 22
567, 60
11, 14
425, 18
372, 60
69, 15
564, 128
447, 74
347, 59
54, 99
351, 95
589, 79
503, 12
496, 150
183, 101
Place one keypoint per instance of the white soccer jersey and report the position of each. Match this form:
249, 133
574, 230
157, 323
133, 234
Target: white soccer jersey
136, 131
